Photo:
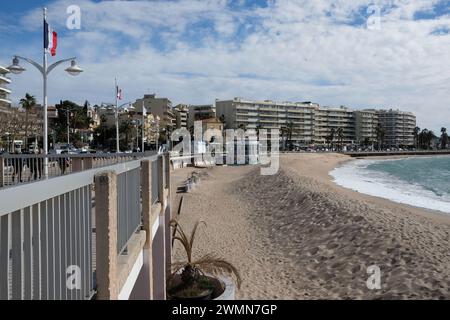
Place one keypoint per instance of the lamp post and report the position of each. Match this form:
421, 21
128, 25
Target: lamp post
117, 123
45, 70
8, 149
144, 115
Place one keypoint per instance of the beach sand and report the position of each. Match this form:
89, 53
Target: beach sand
297, 235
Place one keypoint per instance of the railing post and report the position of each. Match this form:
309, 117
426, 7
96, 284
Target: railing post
2, 172
77, 164
106, 235
147, 224
167, 170
161, 179
167, 214
88, 163
159, 242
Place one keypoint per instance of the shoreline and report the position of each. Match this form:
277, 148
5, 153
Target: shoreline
439, 216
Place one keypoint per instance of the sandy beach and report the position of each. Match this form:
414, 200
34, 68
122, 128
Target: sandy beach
297, 235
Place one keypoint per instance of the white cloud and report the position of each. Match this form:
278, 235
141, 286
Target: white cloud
293, 50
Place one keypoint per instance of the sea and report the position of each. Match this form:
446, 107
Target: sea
418, 181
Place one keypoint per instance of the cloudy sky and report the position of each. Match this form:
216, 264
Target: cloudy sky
358, 53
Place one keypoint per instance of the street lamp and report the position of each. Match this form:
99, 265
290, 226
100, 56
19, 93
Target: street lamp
45, 70
117, 124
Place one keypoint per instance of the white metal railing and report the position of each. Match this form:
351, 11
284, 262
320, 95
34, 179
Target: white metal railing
23, 168
47, 230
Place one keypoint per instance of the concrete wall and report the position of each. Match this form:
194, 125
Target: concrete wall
140, 272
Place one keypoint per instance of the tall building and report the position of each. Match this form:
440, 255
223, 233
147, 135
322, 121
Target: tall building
366, 123
181, 115
240, 113
4, 91
159, 107
310, 123
200, 112
398, 127
334, 120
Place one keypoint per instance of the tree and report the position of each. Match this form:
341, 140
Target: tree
380, 132
126, 129
78, 120
430, 137
289, 131
340, 137
367, 142
331, 137
444, 138
222, 119
425, 138
28, 103
258, 128
242, 126
416, 136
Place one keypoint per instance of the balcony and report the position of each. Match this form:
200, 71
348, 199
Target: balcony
4, 79
5, 101
5, 90
252, 108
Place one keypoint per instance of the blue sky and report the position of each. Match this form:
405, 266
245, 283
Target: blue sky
286, 50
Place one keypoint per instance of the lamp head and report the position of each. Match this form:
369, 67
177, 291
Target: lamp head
74, 69
15, 67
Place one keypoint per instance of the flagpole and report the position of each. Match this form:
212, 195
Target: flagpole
143, 125
117, 119
44, 74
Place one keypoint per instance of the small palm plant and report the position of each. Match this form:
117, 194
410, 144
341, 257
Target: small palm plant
194, 279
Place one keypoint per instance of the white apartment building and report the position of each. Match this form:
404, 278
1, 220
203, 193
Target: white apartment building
313, 124
330, 122
4, 91
398, 126
247, 114
366, 123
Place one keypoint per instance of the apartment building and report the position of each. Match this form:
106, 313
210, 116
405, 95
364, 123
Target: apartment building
200, 112
4, 91
331, 122
267, 114
181, 115
398, 127
159, 107
366, 123
313, 124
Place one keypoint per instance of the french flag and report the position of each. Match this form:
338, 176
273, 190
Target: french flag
50, 39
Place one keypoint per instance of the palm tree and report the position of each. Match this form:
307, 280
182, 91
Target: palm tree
126, 128
331, 137
340, 137
242, 126
380, 132
193, 270
28, 103
431, 136
423, 138
289, 130
444, 138
258, 128
416, 136
222, 119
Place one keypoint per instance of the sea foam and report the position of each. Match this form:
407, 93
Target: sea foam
357, 176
